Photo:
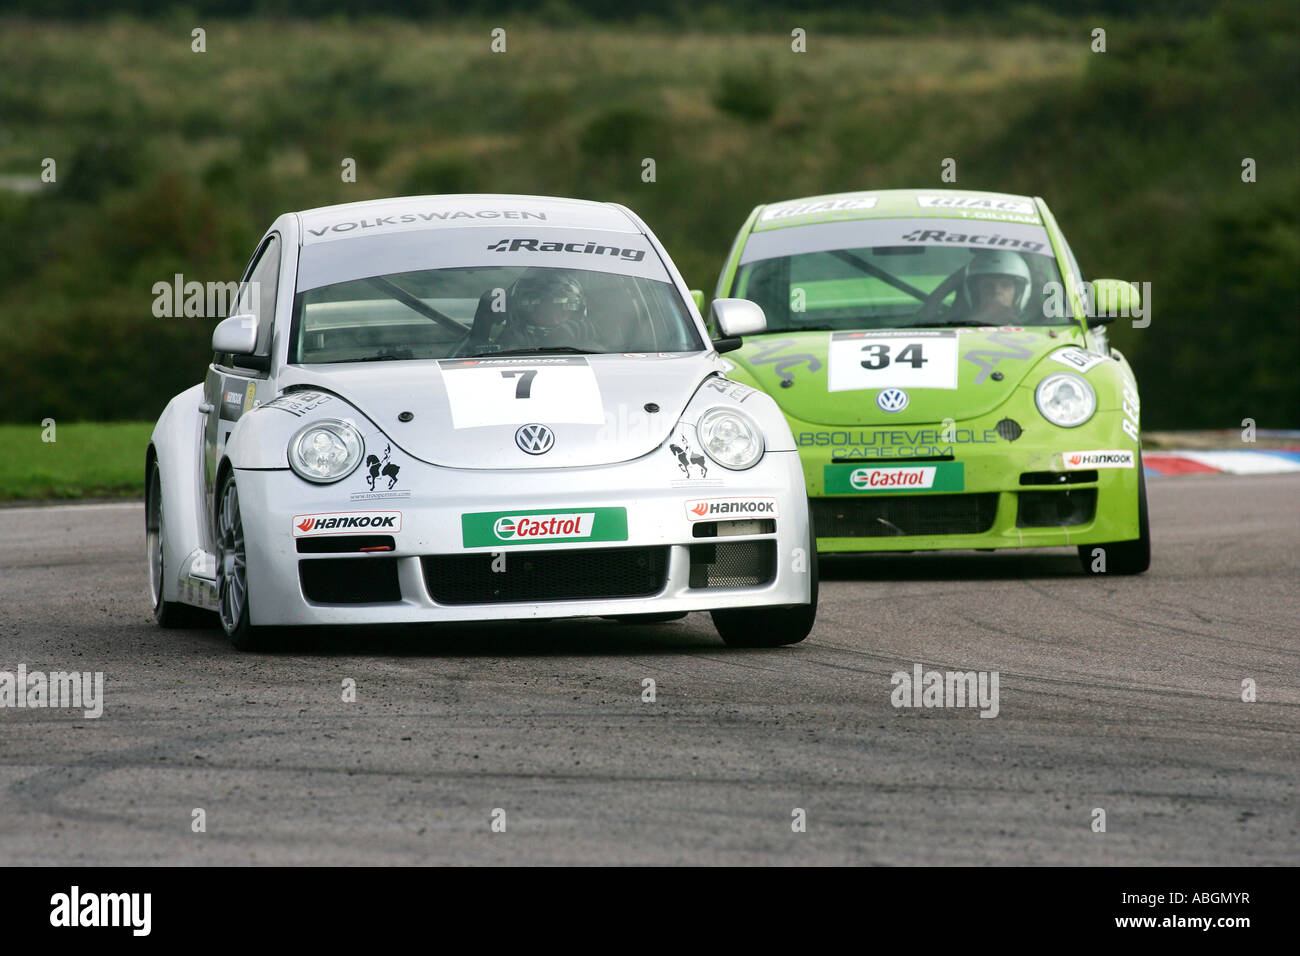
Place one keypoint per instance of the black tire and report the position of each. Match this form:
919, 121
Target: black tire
1125, 557
663, 618
232, 573
772, 626
168, 614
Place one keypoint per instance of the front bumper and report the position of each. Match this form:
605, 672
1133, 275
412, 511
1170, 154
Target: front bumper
432, 540
994, 485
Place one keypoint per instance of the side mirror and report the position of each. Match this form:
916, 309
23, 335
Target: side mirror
734, 318
236, 335
698, 297
1111, 298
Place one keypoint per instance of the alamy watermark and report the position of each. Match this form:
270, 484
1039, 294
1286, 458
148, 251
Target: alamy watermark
922, 688
1056, 303
202, 300
75, 689
127, 910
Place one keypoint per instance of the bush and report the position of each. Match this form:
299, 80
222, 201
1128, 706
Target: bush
748, 95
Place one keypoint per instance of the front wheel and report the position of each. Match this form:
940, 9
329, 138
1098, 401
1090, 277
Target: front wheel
232, 573
772, 626
765, 626
1123, 557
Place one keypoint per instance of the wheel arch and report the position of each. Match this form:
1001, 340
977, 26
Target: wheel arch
176, 447
223, 472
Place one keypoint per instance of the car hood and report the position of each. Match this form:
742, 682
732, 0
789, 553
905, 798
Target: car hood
990, 363
465, 413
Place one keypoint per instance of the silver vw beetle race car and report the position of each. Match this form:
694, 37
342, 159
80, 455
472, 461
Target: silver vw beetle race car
475, 408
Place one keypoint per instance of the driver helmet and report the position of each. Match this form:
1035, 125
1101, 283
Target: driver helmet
542, 303
998, 263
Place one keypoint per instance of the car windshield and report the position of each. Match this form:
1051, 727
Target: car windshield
895, 273
623, 304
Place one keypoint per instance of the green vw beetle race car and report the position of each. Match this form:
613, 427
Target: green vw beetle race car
946, 372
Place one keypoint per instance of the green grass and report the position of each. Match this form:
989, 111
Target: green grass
171, 162
86, 460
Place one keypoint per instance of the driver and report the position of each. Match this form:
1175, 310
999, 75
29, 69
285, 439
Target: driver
547, 309
996, 285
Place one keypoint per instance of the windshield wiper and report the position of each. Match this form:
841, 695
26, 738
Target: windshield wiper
550, 349
944, 323
799, 328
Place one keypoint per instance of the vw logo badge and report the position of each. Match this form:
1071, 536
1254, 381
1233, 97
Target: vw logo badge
892, 400
538, 439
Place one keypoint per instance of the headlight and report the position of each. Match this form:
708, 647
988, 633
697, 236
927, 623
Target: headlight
325, 451
730, 438
1065, 399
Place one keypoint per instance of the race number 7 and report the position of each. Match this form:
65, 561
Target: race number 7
878, 356
524, 385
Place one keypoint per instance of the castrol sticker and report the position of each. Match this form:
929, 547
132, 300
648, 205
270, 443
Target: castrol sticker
851, 480
501, 528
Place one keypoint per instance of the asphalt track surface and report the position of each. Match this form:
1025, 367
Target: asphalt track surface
1119, 694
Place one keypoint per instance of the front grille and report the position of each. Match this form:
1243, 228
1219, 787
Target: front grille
899, 515
1056, 509
531, 576
350, 580
733, 564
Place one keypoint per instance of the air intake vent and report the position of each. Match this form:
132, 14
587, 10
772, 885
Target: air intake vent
733, 564
899, 515
345, 543
350, 580
1056, 509
1057, 477
532, 576
1009, 429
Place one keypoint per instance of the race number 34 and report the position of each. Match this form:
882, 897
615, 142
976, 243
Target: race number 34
873, 360
878, 355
